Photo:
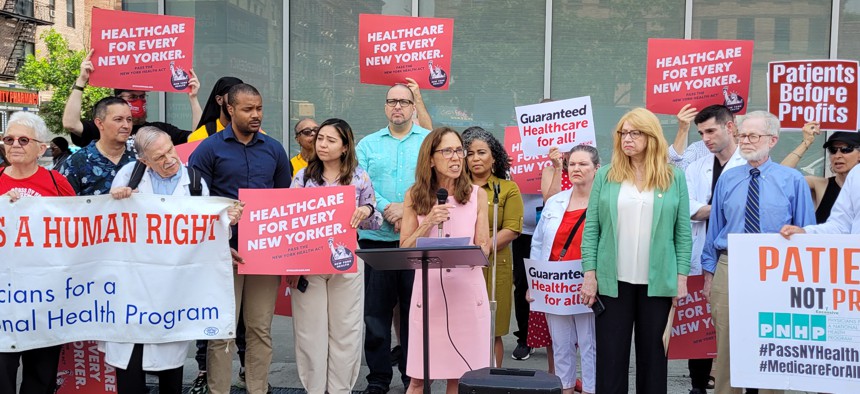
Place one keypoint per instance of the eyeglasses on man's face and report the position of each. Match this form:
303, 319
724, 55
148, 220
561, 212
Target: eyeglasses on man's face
22, 141
844, 149
402, 102
449, 152
130, 97
752, 137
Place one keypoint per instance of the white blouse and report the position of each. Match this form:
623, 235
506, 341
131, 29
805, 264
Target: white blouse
635, 216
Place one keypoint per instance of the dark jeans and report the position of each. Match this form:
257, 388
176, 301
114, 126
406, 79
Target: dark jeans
40, 370
521, 248
200, 356
132, 380
632, 312
383, 290
700, 372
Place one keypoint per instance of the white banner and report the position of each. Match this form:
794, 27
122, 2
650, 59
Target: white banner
564, 124
795, 312
555, 286
147, 269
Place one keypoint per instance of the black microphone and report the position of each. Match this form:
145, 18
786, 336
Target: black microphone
441, 198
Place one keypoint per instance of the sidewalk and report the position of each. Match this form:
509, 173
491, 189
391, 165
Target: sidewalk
284, 376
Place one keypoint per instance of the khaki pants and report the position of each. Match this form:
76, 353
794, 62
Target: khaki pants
328, 328
720, 313
256, 294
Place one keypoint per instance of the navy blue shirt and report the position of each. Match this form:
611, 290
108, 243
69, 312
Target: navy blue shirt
228, 165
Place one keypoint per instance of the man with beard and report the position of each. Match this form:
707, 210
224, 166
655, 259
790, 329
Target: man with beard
755, 198
91, 170
240, 157
83, 132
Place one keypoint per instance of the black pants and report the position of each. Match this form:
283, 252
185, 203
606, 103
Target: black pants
382, 290
200, 356
39, 375
132, 380
700, 372
521, 248
632, 312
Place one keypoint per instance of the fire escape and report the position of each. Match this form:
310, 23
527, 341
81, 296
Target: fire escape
18, 21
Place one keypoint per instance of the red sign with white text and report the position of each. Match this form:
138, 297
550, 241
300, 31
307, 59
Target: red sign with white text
693, 333
138, 51
302, 231
284, 303
805, 91
525, 170
185, 150
82, 370
698, 72
392, 48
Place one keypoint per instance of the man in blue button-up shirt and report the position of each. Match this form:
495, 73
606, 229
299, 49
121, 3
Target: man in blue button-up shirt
389, 157
783, 198
240, 157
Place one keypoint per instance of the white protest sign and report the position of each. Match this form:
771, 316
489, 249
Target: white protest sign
147, 269
795, 312
564, 124
555, 286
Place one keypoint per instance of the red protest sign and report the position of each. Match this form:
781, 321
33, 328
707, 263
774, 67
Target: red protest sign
698, 72
138, 51
392, 48
297, 231
82, 370
525, 170
823, 91
693, 333
185, 150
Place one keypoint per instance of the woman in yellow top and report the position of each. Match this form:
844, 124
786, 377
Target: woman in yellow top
215, 116
488, 165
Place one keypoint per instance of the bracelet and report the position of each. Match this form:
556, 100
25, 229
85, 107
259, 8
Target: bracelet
372, 209
76, 87
798, 156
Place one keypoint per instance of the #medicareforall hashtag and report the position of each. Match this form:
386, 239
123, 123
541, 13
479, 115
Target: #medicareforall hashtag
762, 350
763, 366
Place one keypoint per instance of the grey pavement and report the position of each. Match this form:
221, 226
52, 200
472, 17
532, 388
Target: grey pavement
284, 376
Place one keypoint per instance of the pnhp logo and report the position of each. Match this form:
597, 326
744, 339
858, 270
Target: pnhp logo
792, 326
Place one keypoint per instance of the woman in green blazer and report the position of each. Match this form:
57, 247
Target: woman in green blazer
635, 253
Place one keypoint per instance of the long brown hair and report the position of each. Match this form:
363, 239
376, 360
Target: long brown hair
426, 184
658, 171
348, 162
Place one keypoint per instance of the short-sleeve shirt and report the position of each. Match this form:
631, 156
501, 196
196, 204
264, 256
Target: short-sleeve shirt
43, 183
90, 173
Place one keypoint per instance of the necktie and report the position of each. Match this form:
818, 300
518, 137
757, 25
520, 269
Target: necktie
751, 216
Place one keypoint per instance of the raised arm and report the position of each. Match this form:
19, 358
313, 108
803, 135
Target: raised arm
423, 116
72, 111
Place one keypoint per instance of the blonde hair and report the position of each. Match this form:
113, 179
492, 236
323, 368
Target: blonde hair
658, 171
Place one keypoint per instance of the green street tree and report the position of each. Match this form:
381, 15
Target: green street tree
57, 70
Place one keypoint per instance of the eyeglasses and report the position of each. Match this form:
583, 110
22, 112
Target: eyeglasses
308, 132
634, 134
845, 149
449, 152
129, 97
22, 141
754, 138
402, 102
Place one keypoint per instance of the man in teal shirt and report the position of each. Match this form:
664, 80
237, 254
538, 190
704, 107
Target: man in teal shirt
389, 157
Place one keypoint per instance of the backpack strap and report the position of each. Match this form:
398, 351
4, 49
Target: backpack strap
136, 174
572, 234
196, 186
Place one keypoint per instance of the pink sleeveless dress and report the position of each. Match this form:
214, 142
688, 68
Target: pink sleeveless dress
465, 314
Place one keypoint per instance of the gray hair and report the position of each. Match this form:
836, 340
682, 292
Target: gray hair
33, 122
771, 121
595, 156
145, 137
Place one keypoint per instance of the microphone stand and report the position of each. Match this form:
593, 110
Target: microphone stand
496, 188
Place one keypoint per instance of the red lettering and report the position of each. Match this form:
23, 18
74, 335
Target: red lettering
24, 231
153, 223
